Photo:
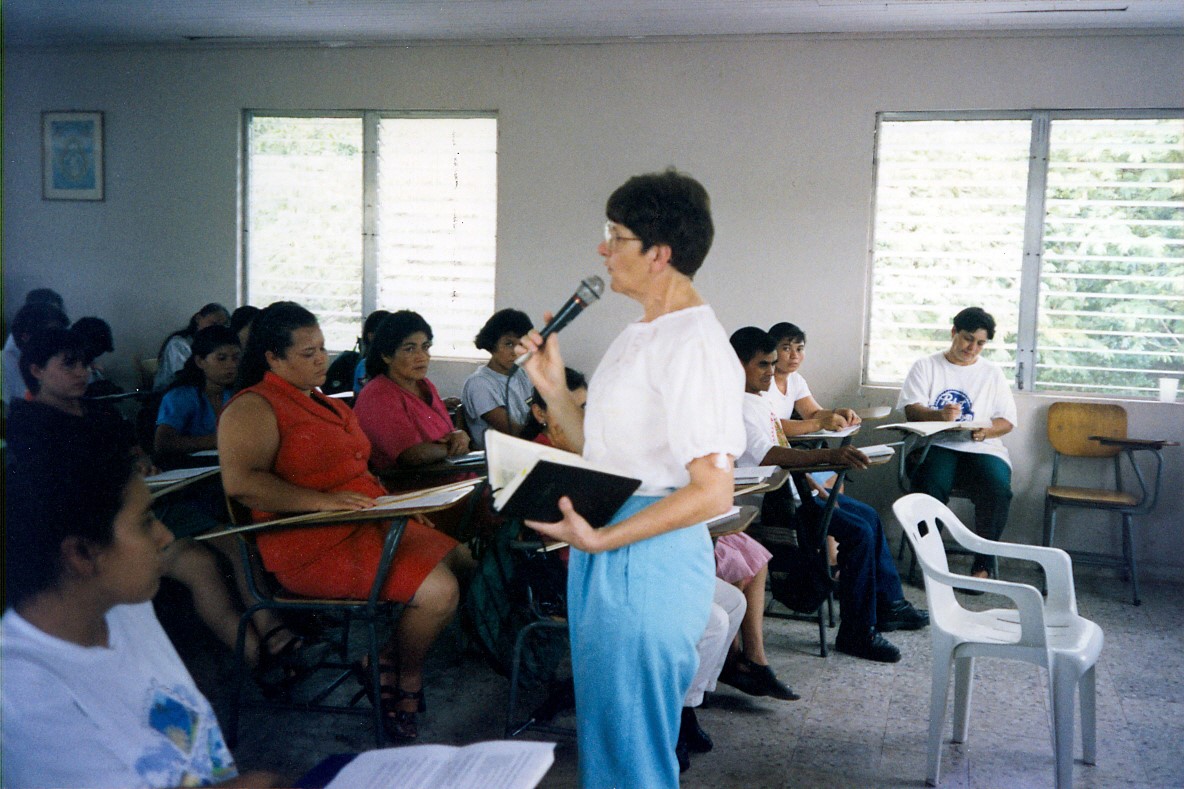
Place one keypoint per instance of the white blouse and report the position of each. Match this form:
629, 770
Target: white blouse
665, 393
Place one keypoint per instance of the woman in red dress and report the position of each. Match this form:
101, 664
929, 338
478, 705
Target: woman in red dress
285, 447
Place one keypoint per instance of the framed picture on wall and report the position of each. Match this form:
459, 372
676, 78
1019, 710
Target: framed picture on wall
72, 155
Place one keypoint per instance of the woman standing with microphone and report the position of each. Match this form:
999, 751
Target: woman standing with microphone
664, 406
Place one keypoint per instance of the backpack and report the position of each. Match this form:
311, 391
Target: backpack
799, 577
340, 376
497, 606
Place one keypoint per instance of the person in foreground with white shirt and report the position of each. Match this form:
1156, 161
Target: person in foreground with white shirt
957, 385
93, 692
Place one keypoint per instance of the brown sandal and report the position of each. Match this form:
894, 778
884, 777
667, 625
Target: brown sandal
401, 726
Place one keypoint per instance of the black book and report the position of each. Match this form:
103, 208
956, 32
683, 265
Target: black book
528, 480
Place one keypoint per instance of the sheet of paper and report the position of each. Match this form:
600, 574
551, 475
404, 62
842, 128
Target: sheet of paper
731, 512
846, 431
177, 474
498, 764
404, 501
752, 474
205, 453
930, 428
476, 456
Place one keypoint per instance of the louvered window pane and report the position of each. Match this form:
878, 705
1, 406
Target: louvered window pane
437, 224
434, 220
1112, 280
949, 233
304, 220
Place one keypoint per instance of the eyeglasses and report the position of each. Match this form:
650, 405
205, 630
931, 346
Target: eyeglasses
612, 239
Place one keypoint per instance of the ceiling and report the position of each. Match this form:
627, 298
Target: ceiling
205, 23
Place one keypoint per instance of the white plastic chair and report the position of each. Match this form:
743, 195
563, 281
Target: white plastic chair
1048, 632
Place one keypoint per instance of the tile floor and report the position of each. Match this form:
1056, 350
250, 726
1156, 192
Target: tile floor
858, 724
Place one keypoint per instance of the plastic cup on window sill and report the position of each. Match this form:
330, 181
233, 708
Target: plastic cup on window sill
1167, 389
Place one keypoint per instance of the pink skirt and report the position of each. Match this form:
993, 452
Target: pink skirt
738, 558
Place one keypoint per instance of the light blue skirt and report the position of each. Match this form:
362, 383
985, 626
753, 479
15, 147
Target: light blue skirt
636, 615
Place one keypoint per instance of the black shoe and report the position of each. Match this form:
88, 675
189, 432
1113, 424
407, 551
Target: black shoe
691, 734
742, 680
869, 646
773, 686
900, 615
683, 755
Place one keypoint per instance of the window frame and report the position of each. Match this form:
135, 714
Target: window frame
369, 197
1034, 220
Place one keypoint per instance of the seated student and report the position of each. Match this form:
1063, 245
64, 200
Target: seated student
728, 610
799, 412
93, 693
400, 410
96, 335
369, 328
56, 375
870, 594
187, 420
176, 347
11, 370
240, 322
285, 447
743, 562
789, 392
484, 393
31, 319
957, 385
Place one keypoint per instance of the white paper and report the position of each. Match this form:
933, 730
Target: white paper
177, 474
752, 474
733, 511
205, 453
846, 431
417, 501
930, 428
497, 764
476, 456
878, 450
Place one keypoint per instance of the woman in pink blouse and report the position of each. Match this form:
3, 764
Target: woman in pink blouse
399, 409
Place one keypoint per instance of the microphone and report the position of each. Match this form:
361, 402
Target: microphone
588, 292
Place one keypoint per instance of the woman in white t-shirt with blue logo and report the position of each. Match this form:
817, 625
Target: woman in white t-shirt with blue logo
957, 385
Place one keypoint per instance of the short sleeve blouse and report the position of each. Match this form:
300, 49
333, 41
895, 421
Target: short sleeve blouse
666, 392
186, 410
395, 420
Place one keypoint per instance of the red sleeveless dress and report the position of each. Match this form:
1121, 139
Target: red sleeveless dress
322, 447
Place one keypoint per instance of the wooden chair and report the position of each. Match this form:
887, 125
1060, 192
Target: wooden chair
1097, 432
333, 659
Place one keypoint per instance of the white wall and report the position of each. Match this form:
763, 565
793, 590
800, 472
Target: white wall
780, 131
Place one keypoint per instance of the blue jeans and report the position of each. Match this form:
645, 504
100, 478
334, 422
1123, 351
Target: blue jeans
986, 479
867, 573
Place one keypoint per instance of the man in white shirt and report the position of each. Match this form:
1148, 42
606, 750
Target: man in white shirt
957, 385
870, 595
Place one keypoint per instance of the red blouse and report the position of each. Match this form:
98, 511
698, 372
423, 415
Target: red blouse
396, 420
322, 447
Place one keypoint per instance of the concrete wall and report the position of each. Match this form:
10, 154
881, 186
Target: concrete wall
780, 131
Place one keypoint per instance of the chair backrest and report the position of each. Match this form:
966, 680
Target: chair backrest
148, 368
1071, 424
919, 515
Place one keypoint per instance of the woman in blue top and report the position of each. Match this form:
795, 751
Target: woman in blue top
188, 417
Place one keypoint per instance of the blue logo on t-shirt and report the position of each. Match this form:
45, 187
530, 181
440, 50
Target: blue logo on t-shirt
955, 396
